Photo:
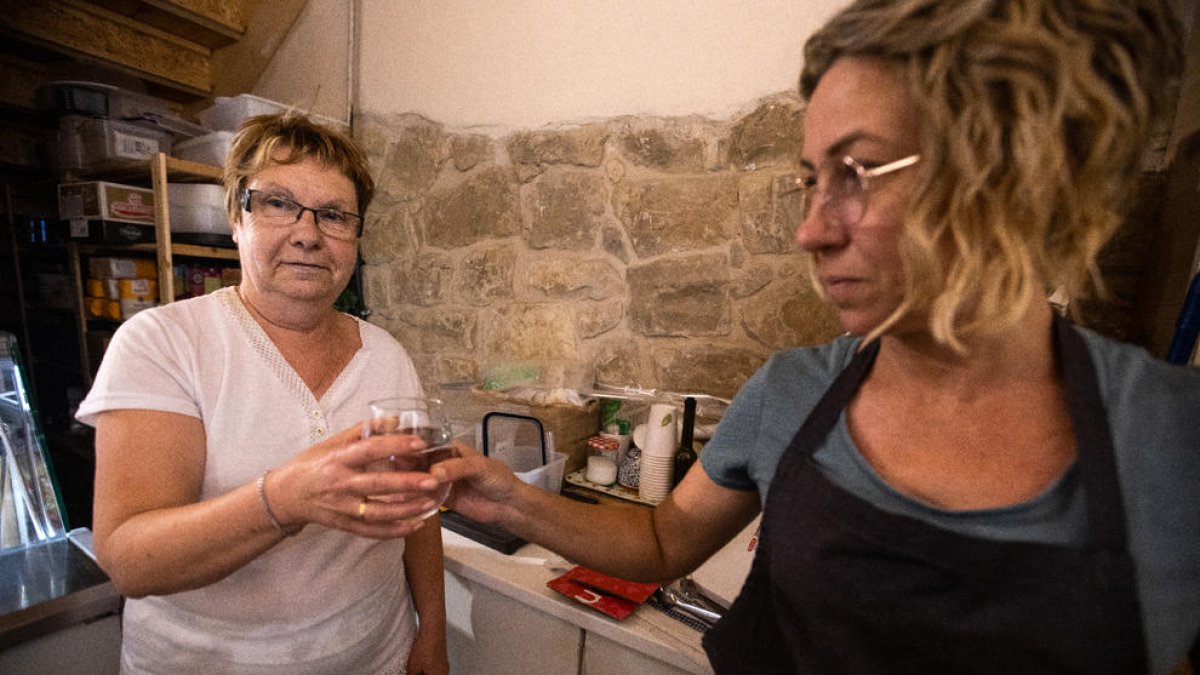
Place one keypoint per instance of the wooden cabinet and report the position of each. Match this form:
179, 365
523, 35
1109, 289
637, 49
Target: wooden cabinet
500, 625
489, 633
161, 169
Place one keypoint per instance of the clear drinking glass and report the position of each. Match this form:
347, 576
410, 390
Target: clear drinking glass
416, 416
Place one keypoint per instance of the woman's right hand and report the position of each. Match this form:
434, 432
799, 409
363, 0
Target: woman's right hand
330, 483
482, 486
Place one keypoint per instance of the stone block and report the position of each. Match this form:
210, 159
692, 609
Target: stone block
484, 206
569, 276
597, 318
486, 275
668, 148
467, 151
673, 215
771, 135
413, 159
433, 331
716, 369
770, 207
564, 210
581, 146
684, 297
387, 232
534, 333
789, 313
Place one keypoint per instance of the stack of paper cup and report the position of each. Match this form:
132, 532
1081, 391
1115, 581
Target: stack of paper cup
658, 453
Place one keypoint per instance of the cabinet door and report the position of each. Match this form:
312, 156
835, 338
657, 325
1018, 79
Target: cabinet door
488, 633
602, 656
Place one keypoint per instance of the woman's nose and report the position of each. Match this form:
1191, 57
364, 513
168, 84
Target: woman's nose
816, 231
306, 229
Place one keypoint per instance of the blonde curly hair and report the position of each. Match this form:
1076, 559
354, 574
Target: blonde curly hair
1035, 115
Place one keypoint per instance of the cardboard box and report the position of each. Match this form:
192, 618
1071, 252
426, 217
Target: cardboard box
122, 268
137, 289
203, 279
104, 288
103, 308
131, 306
108, 232
99, 200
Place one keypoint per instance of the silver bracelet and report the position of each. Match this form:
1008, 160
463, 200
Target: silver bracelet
266, 506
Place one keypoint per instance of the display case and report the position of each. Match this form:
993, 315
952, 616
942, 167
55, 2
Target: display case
32, 510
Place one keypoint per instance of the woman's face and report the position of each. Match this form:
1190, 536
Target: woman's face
859, 109
297, 261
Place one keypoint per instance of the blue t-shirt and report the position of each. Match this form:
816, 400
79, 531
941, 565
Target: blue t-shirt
1154, 411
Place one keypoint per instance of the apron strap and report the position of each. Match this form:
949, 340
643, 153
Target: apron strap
825, 415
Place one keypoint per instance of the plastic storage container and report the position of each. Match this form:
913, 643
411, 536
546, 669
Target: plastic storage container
228, 112
99, 100
87, 144
198, 208
208, 149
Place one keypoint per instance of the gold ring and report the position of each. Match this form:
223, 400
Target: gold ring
362, 509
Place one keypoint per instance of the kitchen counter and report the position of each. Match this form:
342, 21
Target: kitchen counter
522, 577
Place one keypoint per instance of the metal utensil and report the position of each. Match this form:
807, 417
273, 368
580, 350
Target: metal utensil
674, 598
691, 591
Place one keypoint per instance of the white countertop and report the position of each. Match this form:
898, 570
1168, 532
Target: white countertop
523, 576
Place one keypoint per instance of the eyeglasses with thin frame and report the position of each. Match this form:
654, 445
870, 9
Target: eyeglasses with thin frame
276, 209
841, 187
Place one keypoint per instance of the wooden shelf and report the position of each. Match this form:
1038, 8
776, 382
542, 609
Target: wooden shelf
161, 170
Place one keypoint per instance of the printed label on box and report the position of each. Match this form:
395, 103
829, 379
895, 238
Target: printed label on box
133, 147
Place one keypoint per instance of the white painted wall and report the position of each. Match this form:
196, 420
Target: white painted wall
507, 64
311, 69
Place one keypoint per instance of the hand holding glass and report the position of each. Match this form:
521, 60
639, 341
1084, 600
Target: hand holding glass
426, 419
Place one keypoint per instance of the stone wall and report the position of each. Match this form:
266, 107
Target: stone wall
654, 252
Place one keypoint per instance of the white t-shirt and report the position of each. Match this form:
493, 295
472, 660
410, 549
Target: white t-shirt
322, 601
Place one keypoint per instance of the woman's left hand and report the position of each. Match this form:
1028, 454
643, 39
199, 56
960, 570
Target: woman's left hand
338, 483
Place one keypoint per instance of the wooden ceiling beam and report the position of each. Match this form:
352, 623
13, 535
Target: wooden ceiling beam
86, 31
212, 23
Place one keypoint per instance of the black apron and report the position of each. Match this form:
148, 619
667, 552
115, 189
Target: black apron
840, 586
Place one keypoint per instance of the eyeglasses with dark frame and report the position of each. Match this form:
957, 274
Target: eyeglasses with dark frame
279, 210
842, 186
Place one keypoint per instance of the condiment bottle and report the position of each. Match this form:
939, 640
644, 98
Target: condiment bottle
685, 456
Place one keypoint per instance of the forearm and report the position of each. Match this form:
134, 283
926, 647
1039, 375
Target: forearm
619, 540
424, 570
173, 549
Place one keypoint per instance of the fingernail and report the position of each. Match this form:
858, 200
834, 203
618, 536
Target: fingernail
427, 484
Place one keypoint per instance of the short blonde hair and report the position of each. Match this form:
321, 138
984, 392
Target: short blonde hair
258, 143
1035, 115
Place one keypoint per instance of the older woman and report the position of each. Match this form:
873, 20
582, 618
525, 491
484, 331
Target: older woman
226, 509
967, 483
